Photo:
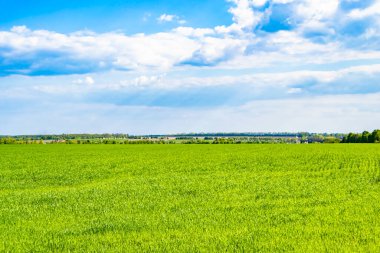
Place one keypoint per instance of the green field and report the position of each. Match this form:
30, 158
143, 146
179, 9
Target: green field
190, 198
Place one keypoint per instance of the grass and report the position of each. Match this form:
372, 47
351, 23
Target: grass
190, 198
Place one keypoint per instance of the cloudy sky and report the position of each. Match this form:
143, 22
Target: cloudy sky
169, 66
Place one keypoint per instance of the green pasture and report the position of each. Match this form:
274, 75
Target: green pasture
190, 198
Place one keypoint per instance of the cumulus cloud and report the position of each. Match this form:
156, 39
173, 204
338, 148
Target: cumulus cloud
372, 10
319, 33
46, 52
281, 65
245, 17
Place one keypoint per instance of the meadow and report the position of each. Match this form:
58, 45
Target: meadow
190, 198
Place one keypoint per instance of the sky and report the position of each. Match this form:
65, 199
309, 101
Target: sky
166, 67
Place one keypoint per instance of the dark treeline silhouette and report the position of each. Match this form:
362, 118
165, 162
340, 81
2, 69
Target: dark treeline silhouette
365, 137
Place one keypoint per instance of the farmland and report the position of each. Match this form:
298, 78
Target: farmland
190, 198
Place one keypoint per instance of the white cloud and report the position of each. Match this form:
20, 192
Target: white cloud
86, 80
167, 18
240, 61
95, 51
275, 80
194, 32
283, 1
263, 85
244, 16
238, 45
367, 12
144, 81
20, 29
316, 16
258, 3
317, 10
90, 52
164, 18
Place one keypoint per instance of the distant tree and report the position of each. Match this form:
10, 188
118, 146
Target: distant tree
358, 138
350, 138
354, 138
375, 136
365, 137
9, 140
331, 139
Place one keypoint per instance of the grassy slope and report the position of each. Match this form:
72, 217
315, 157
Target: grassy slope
190, 197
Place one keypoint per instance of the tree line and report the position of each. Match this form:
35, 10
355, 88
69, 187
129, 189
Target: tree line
365, 137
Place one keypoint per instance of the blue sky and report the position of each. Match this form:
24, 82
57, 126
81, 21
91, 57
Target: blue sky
112, 15
148, 67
